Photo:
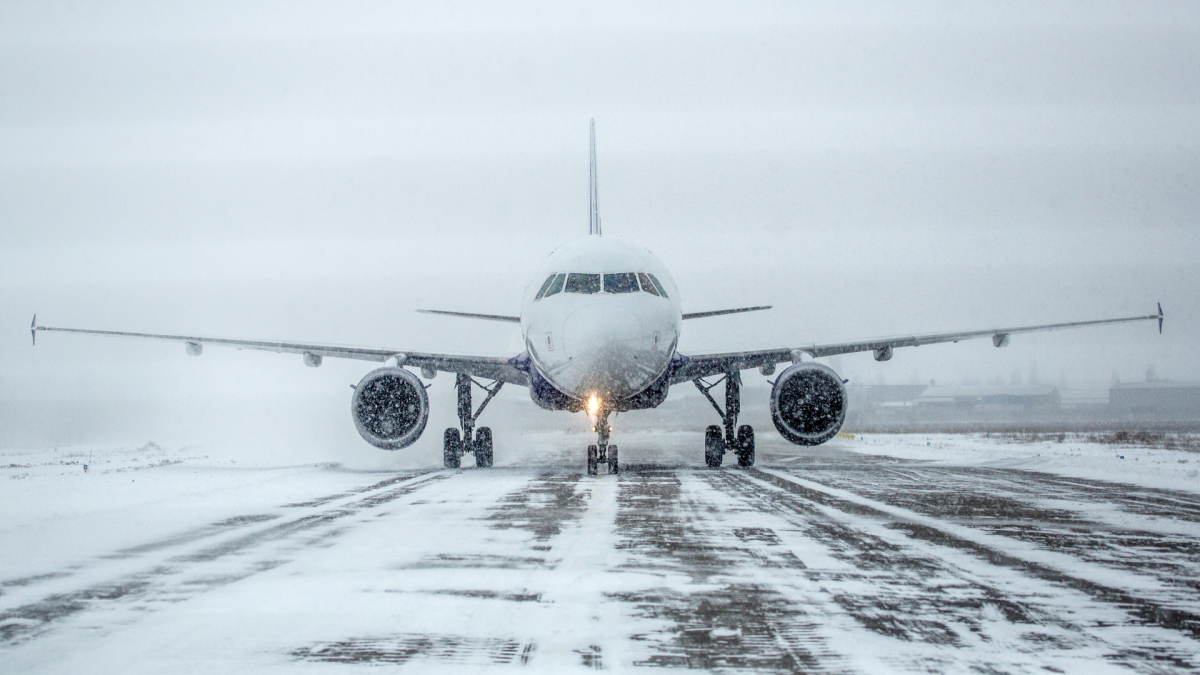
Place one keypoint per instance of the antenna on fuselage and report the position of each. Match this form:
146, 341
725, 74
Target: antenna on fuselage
594, 223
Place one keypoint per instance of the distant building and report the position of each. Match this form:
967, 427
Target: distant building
1084, 399
1156, 397
1036, 396
888, 395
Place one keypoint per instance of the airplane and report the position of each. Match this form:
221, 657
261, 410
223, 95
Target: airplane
601, 320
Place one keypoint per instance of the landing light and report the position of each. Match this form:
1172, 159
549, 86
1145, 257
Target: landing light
593, 404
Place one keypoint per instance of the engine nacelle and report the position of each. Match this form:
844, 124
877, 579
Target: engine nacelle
808, 403
390, 408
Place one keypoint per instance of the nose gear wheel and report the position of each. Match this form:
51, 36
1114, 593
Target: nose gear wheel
602, 451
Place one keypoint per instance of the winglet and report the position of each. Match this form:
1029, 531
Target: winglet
594, 222
33, 330
1160, 318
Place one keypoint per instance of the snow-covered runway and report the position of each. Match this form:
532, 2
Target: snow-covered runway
838, 563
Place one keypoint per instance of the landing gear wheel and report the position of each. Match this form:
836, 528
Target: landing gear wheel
745, 445
593, 460
451, 448
613, 466
714, 446
483, 447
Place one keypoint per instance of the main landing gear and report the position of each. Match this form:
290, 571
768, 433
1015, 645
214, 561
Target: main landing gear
456, 442
602, 451
716, 443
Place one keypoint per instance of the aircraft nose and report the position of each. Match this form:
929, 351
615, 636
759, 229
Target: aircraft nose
604, 345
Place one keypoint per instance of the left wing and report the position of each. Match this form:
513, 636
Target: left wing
470, 315
489, 367
706, 365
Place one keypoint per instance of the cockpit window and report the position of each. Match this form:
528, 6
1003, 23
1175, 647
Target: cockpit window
625, 282
646, 285
650, 284
545, 285
583, 283
658, 286
555, 285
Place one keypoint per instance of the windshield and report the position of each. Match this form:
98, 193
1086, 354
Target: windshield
646, 285
583, 283
620, 282
556, 284
545, 285
625, 282
657, 286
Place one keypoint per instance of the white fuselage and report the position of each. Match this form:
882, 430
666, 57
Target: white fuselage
597, 331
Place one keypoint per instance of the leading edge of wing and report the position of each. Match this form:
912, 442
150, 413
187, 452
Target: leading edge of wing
706, 365
469, 315
720, 312
489, 367
998, 335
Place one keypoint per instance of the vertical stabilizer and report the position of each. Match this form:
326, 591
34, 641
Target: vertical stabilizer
594, 223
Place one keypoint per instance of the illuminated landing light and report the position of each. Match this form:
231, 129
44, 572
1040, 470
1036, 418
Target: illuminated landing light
593, 404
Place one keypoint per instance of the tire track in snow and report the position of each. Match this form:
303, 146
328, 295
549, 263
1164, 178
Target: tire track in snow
530, 551
216, 529
1111, 525
711, 607
894, 607
1131, 629
181, 575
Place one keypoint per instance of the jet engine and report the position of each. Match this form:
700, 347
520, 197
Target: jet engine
808, 403
390, 408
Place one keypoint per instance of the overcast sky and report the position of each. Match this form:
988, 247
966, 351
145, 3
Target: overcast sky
315, 171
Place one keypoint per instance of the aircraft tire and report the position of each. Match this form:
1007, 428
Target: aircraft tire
483, 447
714, 447
452, 448
745, 449
593, 466
613, 466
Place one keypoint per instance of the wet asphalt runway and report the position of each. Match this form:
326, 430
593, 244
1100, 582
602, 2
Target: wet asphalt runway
837, 563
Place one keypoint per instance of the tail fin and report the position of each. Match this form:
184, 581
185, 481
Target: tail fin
594, 224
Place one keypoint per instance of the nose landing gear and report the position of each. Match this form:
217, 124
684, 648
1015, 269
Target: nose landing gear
602, 451
455, 442
716, 443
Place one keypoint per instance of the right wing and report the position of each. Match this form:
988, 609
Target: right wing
707, 365
489, 367
721, 312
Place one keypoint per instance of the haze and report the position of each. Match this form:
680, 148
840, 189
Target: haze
316, 171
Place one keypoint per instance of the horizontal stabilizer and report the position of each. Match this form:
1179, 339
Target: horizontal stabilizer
468, 315
719, 312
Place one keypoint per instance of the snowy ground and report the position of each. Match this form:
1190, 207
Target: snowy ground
1071, 454
859, 556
